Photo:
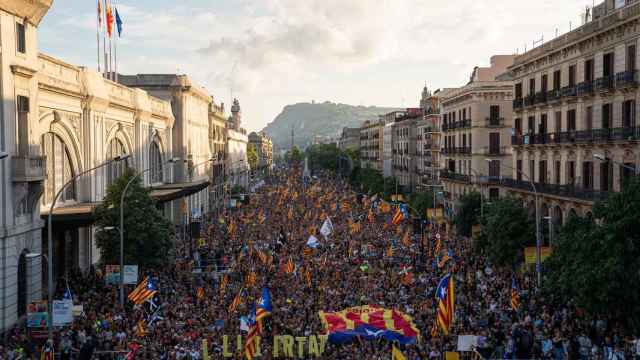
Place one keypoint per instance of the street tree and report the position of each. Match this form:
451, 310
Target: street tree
147, 233
421, 201
468, 213
506, 228
252, 156
596, 261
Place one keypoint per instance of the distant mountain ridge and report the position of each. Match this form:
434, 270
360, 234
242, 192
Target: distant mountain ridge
322, 119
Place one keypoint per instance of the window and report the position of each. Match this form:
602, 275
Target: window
494, 169
631, 58
544, 83
59, 169
116, 168
542, 171
542, 127
572, 75
155, 163
531, 124
519, 170
22, 104
588, 70
494, 115
494, 193
494, 143
464, 114
629, 113
532, 86
532, 170
571, 120
556, 80
556, 172
606, 116
587, 175
607, 65
588, 125
558, 121
606, 174
626, 173
21, 38
571, 172
519, 91
518, 126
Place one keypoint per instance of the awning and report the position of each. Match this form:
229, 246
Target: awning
169, 192
83, 214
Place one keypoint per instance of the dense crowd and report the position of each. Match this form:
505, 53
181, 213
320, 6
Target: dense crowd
364, 261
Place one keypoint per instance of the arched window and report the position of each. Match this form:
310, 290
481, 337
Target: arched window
155, 163
59, 169
116, 168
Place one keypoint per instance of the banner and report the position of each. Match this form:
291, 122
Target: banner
62, 312
369, 322
112, 274
37, 314
78, 310
130, 274
467, 342
530, 254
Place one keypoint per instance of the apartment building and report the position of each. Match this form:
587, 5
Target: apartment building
217, 144
403, 151
264, 148
476, 122
371, 143
428, 145
349, 139
575, 130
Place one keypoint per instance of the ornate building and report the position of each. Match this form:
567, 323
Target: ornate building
475, 128
371, 137
217, 145
264, 149
428, 144
575, 133
237, 164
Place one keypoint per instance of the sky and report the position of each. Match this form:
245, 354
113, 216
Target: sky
271, 53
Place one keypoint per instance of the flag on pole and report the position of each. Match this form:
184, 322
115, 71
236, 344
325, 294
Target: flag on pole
446, 301
140, 331
250, 347
109, 19
118, 23
236, 301
100, 13
143, 292
290, 267
67, 293
515, 295
264, 307
397, 354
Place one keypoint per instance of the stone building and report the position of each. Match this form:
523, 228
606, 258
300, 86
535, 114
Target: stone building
217, 145
575, 134
476, 122
349, 139
191, 105
237, 140
264, 150
371, 142
428, 145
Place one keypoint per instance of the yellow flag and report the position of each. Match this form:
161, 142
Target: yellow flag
397, 354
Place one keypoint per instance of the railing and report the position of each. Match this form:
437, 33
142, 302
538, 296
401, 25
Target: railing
605, 83
541, 97
570, 191
554, 95
569, 91
579, 136
28, 168
529, 100
518, 103
462, 124
585, 88
626, 79
494, 122
454, 176
494, 150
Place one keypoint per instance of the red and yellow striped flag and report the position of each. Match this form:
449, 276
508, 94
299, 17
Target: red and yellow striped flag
290, 266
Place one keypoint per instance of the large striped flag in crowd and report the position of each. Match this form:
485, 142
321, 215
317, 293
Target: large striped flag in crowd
250, 347
143, 292
515, 295
446, 303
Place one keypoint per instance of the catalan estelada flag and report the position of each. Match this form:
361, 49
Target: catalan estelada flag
515, 294
369, 322
445, 296
264, 307
143, 292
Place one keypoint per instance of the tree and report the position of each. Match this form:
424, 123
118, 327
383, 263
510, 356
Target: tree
323, 156
252, 156
506, 230
294, 155
596, 264
421, 202
147, 241
468, 213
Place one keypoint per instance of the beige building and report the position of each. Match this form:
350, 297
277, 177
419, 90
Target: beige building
476, 122
350, 139
404, 158
190, 105
217, 144
371, 136
428, 142
264, 149
237, 140
575, 129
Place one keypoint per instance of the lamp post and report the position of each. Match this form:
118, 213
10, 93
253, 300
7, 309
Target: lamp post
122, 196
634, 169
478, 175
3, 155
50, 235
537, 205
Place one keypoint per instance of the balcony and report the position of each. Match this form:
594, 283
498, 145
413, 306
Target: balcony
518, 103
494, 122
569, 91
569, 191
554, 95
626, 79
454, 176
28, 168
585, 88
541, 97
605, 83
579, 136
494, 150
529, 100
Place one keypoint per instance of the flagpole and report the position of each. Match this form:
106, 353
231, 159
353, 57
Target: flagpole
110, 59
104, 41
98, 31
115, 58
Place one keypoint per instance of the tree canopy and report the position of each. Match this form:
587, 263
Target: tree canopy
596, 264
252, 156
468, 213
147, 232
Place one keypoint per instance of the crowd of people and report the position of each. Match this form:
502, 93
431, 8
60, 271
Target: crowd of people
365, 260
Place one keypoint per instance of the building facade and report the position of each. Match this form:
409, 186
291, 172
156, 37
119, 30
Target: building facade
428, 142
575, 130
371, 143
476, 122
264, 150
217, 145
191, 105
237, 140
404, 157
350, 139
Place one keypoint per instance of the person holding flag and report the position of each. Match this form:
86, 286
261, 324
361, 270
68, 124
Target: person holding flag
445, 297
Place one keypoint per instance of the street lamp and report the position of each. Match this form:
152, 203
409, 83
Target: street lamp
538, 240
635, 170
50, 234
124, 193
479, 176
3, 155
